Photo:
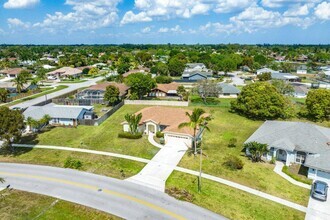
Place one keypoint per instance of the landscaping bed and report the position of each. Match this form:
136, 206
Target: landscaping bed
298, 172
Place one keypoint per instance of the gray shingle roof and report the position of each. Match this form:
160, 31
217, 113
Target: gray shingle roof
228, 88
319, 161
283, 76
291, 136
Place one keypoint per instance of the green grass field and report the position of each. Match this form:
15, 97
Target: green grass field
24, 205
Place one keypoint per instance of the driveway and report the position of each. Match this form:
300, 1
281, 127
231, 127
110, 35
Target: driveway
318, 210
156, 172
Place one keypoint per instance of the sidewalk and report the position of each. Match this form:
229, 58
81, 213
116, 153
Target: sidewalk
278, 169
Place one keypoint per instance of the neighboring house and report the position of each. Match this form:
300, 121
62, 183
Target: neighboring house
266, 70
166, 120
285, 76
97, 91
193, 67
195, 76
11, 72
61, 115
165, 90
65, 72
246, 69
11, 87
296, 142
140, 70
302, 69
228, 91
300, 90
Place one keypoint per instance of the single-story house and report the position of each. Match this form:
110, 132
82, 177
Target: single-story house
285, 76
302, 69
65, 72
266, 70
11, 87
296, 142
11, 72
193, 67
228, 90
61, 115
166, 120
197, 75
165, 90
97, 91
139, 70
300, 90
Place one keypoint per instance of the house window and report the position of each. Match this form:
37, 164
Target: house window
300, 157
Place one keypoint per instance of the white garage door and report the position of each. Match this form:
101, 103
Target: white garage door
323, 176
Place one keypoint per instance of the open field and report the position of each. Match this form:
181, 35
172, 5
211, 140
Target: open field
103, 137
230, 202
35, 206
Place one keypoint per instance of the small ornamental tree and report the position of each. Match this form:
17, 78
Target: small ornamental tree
256, 150
140, 84
3, 95
111, 94
133, 122
93, 72
318, 104
265, 76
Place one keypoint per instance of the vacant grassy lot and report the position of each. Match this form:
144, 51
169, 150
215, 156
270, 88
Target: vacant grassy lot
261, 176
103, 137
98, 164
230, 202
35, 206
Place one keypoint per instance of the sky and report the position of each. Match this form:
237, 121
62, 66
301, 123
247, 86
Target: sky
164, 21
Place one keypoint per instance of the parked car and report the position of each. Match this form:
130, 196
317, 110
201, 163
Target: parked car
320, 190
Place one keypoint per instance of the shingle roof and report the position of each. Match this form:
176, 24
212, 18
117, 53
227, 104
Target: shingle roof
283, 76
67, 71
228, 88
57, 111
291, 136
11, 71
103, 86
173, 86
189, 74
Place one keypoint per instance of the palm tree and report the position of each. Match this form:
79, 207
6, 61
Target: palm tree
2, 180
196, 121
19, 81
133, 122
256, 150
45, 119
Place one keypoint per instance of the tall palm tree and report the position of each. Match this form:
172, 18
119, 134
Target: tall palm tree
196, 121
19, 82
133, 122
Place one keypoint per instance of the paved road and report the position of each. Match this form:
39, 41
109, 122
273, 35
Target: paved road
121, 198
72, 87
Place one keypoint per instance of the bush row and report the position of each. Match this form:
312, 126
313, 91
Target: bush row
130, 135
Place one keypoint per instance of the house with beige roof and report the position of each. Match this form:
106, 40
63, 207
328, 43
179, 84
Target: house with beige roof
65, 72
165, 90
97, 91
11, 72
166, 120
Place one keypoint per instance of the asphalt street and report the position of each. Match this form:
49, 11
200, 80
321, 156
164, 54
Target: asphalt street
121, 198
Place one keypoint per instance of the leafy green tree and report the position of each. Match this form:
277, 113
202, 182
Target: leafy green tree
207, 88
11, 125
318, 104
265, 76
140, 84
85, 71
3, 95
163, 79
123, 68
183, 93
261, 59
133, 122
261, 100
19, 82
143, 57
283, 87
111, 94
162, 69
227, 64
176, 66
93, 72
256, 150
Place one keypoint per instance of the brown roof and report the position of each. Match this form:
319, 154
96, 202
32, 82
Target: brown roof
167, 87
68, 71
103, 86
170, 117
141, 70
12, 71
83, 67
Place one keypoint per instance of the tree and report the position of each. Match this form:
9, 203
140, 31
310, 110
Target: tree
183, 93
19, 82
11, 125
111, 94
261, 59
163, 79
142, 57
45, 119
207, 88
227, 65
2, 180
93, 72
261, 100
133, 122
85, 71
283, 87
140, 84
318, 104
256, 150
265, 76
3, 95
176, 66
123, 68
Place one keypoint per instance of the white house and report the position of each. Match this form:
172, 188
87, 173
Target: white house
296, 142
302, 69
166, 120
266, 70
195, 67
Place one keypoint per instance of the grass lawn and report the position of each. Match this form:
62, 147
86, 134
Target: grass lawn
98, 164
298, 172
73, 81
261, 176
100, 109
24, 205
103, 137
230, 202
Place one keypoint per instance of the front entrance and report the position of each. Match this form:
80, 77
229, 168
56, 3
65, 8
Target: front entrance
281, 155
151, 128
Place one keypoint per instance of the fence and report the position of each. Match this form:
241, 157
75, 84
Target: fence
156, 102
67, 101
23, 95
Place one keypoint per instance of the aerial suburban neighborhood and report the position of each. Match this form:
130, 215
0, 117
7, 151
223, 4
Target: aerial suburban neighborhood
174, 123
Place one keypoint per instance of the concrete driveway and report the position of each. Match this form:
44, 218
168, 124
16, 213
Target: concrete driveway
156, 172
318, 210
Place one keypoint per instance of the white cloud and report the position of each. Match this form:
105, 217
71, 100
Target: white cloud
130, 17
297, 10
217, 27
163, 30
15, 4
86, 15
176, 29
322, 11
15, 22
200, 9
224, 6
281, 3
146, 30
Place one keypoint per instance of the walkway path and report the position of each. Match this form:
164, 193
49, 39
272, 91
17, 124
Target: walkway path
156, 172
278, 169
153, 142
192, 172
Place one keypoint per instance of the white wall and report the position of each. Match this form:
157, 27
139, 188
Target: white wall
62, 121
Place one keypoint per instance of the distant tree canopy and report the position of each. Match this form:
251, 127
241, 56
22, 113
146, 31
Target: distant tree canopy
318, 104
123, 68
163, 79
140, 84
262, 101
177, 64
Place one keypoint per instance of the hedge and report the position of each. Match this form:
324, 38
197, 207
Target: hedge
129, 135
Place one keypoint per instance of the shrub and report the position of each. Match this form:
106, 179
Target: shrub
72, 163
128, 135
180, 194
273, 160
233, 163
232, 142
163, 79
159, 134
